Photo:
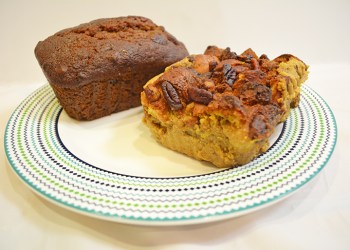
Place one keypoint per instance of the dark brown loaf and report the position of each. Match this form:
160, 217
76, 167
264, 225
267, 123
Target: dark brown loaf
99, 68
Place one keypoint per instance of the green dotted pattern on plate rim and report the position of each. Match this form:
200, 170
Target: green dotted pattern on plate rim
38, 156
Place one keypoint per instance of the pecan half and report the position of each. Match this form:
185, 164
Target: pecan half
229, 74
200, 95
171, 96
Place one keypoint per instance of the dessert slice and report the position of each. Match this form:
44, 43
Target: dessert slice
222, 107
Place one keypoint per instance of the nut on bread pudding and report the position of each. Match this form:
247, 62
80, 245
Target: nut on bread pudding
222, 107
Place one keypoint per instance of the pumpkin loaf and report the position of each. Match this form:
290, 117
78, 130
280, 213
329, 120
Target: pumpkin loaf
99, 68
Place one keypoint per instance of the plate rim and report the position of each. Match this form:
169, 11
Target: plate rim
173, 221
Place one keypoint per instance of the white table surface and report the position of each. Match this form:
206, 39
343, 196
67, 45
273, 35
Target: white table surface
316, 217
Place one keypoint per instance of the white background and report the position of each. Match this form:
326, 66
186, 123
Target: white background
318, 32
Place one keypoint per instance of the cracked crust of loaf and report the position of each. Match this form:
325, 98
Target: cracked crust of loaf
99, 68
222, 107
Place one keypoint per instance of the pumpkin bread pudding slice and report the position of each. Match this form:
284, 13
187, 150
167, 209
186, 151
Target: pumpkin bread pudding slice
222, 107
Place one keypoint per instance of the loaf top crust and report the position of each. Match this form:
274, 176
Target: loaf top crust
107, 49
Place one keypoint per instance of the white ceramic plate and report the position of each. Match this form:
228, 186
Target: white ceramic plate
112, 169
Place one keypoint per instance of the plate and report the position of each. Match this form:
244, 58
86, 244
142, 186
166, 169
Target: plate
112, 169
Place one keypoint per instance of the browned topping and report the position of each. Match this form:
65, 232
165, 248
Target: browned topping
229, 101
213, 51
212, 65
200, 95
273, 112
264, 56
253, 76
171, 96
233, 63
268, 65
252, 93
152, 93
221, 78
245, 58
228, 54
203, 64
222, 87
249, 53
255, 63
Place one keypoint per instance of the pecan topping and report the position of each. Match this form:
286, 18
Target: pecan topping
200, 95
224, 75
229, 74
171, 96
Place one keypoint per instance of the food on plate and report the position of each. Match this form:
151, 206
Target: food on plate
99, 68
222, 107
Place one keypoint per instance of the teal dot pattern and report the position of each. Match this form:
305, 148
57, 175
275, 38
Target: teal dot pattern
39, 157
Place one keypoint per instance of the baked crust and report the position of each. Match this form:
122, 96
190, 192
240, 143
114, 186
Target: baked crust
222, 107
121, 54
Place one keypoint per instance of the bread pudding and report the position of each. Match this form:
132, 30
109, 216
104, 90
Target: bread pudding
220, 106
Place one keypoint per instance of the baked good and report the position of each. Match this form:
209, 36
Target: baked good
222, 107
99, 68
